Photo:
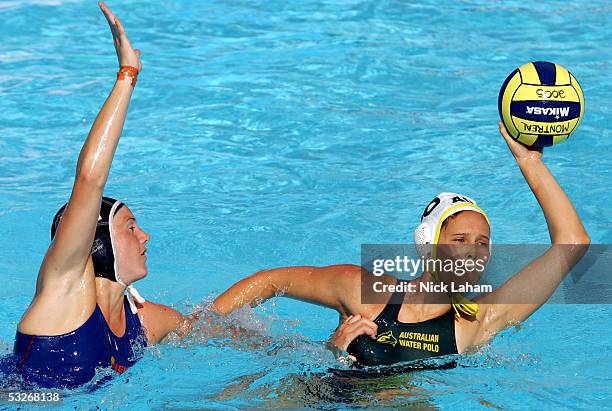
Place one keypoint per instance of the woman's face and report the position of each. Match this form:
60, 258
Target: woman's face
465, 236
130, 246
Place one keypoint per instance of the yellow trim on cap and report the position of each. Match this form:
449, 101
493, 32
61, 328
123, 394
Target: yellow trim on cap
450, 211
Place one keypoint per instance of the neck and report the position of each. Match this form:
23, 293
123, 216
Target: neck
109, 296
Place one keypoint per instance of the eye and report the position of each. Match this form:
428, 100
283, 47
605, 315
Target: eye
460, 240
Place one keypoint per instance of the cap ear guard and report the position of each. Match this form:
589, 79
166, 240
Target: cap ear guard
423, 240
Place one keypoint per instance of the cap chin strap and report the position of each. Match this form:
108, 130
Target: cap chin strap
464, 305
130, 291
132, 294
460, 303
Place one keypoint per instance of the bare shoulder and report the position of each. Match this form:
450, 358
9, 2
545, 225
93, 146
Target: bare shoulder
158, 320
152, 308
359, 294
345, 281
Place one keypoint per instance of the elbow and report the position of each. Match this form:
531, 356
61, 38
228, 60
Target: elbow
583, 242
575, 238
576, 244
89, 180
585, 239
580, 239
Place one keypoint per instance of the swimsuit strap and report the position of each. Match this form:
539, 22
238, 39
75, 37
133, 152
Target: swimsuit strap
132, 321
393, 307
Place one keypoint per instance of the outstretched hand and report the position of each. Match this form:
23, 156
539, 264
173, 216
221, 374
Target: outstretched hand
520, 151
126, 55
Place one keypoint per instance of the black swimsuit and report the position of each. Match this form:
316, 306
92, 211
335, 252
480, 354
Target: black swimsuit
399, 342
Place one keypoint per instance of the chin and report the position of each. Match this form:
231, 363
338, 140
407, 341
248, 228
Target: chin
140, 275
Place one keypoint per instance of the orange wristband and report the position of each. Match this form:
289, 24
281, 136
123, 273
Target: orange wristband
128, 71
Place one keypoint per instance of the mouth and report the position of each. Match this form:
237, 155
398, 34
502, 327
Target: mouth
143, 252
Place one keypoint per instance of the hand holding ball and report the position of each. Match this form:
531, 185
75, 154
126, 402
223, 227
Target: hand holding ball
541, 104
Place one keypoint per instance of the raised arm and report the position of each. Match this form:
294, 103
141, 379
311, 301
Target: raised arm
536, 282
67, 256
335, 286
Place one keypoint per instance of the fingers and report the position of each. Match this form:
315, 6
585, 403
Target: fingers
511, 142
360, 326
121, 33
371, 328
352, 319
357, 319
120, 28
110, 17
367, 329
351, 328
107, 12
503, 131
125, 53
518, 149
115, 24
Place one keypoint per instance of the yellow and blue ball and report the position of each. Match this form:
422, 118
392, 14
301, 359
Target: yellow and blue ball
541, 104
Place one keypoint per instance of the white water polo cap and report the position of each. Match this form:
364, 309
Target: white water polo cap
439, 209
427, 234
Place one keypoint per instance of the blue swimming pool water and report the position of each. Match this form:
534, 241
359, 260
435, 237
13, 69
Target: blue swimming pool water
264, 134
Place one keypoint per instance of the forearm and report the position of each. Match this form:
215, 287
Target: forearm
251, 290
533, 285
334, 286
564, 224
527, 290
97, 153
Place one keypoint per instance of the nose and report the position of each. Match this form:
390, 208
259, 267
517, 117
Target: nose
144, 237
471, 251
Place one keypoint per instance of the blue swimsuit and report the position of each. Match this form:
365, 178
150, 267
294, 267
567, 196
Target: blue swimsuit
71, 359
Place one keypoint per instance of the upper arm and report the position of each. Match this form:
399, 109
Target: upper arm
334, 286
160, 320
528, 289
68, 253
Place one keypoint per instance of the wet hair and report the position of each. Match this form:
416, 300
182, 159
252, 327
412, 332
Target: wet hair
450, 217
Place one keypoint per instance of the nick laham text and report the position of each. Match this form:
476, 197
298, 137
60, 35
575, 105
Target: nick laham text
432, 287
